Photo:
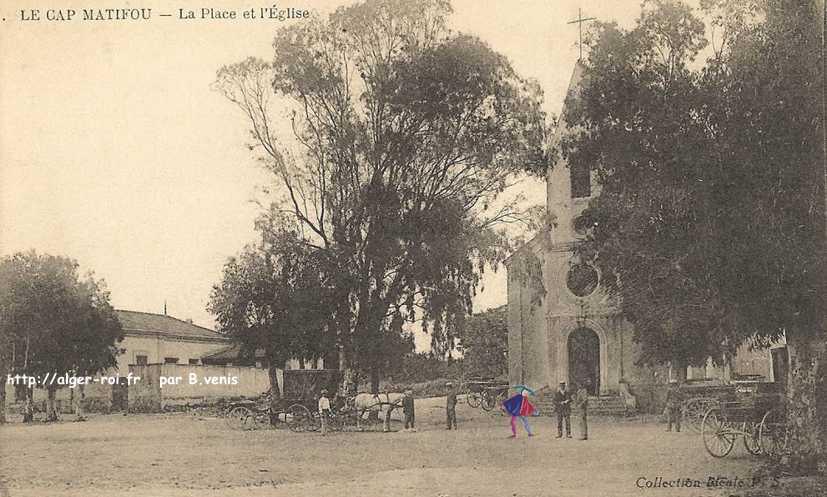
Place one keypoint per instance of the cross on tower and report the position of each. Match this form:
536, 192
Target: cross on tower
580, 20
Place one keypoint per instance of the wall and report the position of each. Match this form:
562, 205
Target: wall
156, 349
149, 395
527, 342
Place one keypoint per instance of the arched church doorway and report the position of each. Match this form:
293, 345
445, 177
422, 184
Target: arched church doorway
584, 360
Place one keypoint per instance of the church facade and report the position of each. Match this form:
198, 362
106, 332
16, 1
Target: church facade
563, 327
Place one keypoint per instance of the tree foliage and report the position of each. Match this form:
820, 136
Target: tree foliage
52, 321
402, 135
484, 343
710, 214
273, 297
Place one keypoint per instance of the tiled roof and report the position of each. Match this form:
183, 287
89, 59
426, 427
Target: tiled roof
230, 353
145, 323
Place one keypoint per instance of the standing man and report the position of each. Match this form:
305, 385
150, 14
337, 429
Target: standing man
562, 404
674, 399
582, 403
324, 409
451, 406
408, 410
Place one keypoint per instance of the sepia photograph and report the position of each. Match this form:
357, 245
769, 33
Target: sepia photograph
412, 248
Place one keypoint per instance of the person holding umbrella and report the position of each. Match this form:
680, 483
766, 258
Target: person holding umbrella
518, 406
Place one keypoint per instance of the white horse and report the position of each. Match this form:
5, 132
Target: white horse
384, 402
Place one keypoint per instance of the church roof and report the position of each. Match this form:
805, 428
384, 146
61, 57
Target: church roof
572, 93
146, 323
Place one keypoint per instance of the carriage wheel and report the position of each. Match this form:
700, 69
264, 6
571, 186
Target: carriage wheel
772, 433
299, 418
488, 401
240, 418
717, 434
694, 410
751, 438
473, 399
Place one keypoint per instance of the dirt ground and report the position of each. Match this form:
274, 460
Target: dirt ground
182, 455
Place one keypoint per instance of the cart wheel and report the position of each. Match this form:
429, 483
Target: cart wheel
717, 434
488, 401
240, 418
693, 412
751, 438
473, 399
299, 418
772, 433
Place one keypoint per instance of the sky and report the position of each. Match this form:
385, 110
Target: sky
115, 151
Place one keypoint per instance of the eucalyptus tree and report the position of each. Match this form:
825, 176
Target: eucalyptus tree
397, 138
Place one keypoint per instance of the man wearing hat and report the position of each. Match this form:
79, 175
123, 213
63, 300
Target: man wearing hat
324, 409
451, 406
674, 399
562, 404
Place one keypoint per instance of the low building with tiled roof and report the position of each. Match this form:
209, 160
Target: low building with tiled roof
161, 339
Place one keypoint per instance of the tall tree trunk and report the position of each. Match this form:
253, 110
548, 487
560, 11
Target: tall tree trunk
374, 380
51, 407
4, 370
275, 393
28, 407
805, 404
3, 401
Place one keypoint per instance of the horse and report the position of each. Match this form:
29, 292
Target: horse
384, 402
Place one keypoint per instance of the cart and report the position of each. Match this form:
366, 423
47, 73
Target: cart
700, 396
493, 396
474, 390
758, 419
297, 408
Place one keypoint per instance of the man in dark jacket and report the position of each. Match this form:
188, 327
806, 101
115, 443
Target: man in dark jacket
562, 404
408, 410
451, 406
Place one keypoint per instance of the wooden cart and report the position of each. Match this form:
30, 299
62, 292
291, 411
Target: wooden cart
758, 419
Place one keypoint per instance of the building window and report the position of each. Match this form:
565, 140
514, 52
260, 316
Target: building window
582, 280
141, 360
170, 360
581, 181
194, 362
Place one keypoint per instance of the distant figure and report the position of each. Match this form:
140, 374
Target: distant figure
78, 401
28, 409
582, 404
674, 399
408, 410
451, 406
324, 410
518, 406
562, 403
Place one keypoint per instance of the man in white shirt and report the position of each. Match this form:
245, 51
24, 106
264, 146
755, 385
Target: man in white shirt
324, 409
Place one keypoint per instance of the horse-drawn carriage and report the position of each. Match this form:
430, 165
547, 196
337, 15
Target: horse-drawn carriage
754, 411
700, 397
298, 407
485, 393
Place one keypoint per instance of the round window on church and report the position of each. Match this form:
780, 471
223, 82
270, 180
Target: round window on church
582, 280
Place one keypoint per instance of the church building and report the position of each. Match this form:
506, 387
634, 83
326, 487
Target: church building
566, 328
